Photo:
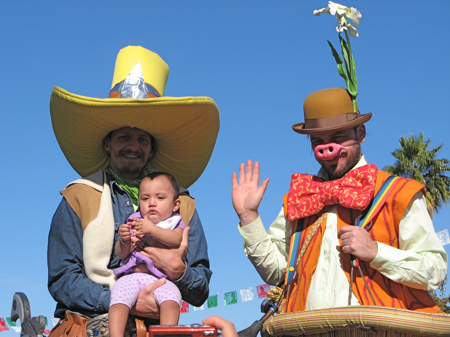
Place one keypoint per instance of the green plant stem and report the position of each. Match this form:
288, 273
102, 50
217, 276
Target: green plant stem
348, 70
354, 105
348, 42
350, 54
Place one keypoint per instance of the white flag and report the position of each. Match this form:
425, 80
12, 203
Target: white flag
247, 294
54, 320
16, 328
199, 308
444, 237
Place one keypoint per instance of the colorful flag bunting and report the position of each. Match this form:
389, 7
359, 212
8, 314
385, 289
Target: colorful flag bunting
444, 237
199, 308
230, 298
212, 301
3, 326
184, 307
13, 325
47, 332
262, 290
247, 294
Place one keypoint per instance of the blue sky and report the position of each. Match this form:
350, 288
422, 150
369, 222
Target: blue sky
257, 59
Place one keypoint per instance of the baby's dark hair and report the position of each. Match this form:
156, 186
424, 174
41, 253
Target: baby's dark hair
171, 178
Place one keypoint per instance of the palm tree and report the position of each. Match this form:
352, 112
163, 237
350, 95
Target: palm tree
415, 161
440, 299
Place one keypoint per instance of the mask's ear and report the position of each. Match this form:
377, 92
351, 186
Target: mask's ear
361, 133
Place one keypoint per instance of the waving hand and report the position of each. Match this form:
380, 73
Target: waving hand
246, 194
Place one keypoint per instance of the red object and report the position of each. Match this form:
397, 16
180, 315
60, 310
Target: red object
3, 326
184, 307
308, 194
262, 290
194, 330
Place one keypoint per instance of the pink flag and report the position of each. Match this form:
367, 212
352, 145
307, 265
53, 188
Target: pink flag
3, 326
47, 332
262, 290
184, 307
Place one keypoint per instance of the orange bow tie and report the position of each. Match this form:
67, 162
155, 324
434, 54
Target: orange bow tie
308, 194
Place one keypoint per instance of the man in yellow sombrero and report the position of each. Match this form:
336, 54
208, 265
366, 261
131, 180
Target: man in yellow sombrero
352, 235
113, 143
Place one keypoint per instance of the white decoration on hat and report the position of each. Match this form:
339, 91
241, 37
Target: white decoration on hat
134, 85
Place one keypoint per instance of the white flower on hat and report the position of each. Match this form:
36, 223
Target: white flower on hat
342, 13
346, 67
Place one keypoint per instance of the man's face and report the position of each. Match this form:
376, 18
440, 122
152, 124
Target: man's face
129, 149
349, 138
157, 199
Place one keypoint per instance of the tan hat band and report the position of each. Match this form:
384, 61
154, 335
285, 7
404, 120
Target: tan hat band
331, 121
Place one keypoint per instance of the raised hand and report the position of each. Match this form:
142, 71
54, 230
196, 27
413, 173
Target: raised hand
246, 194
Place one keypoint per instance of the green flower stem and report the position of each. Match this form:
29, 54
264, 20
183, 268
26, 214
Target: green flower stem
354, 105
350, 54
348, 41
351, 72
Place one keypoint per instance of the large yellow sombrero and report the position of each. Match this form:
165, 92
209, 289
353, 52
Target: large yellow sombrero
185, 128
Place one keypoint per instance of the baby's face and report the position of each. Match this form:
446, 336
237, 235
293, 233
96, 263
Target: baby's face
157, 199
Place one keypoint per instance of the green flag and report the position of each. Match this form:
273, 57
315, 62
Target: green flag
212, 301
10, 321
230, 298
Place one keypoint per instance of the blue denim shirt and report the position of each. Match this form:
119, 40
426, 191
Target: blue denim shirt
67, 281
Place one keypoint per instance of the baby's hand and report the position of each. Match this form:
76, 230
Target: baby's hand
125, 233
141, 227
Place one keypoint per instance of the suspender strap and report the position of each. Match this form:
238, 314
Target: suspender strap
294, 248
379, 200
376, 205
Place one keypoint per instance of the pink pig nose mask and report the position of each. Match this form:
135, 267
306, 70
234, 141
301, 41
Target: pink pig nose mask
329, 151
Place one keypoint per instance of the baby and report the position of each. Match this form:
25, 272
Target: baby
158, 202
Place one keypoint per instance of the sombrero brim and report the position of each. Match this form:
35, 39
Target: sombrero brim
185, 128
300, 127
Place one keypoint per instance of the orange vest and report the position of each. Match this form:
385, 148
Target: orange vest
385, 229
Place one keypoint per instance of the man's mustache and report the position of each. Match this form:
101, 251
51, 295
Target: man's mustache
131, 153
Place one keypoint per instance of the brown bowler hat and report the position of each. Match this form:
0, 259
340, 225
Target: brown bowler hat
329, 110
